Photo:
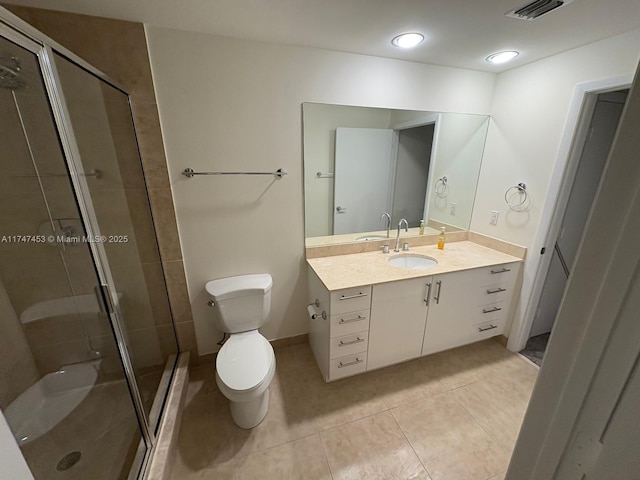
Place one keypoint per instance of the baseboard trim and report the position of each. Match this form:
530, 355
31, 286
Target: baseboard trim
290, 341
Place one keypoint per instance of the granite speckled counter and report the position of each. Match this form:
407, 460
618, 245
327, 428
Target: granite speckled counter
370, 268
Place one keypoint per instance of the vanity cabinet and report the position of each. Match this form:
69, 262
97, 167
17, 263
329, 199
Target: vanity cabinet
339, 333
370, 327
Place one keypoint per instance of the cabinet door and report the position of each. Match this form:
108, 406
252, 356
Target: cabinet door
451, 312
398, 316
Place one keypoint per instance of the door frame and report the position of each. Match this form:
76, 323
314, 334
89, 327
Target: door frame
575, 133
430, 119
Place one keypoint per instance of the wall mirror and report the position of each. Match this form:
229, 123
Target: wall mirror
362, 162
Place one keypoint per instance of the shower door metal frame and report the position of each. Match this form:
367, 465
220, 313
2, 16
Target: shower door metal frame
90, 222
16, 30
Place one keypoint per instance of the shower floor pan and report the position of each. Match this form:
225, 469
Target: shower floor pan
50, 400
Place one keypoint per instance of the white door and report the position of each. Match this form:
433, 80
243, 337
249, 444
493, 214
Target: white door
361, 183
605, 442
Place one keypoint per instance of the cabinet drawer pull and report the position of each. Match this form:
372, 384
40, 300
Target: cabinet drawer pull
426, 300
494, 309
490, 327
348, 297
352, 342
497, 290
348, 364
351, 320
436, 297
493, 272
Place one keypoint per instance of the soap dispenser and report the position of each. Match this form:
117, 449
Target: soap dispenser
441, 239
421, 230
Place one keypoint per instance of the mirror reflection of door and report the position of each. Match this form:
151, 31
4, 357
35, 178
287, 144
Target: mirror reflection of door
361, 183
602, 129
412, 174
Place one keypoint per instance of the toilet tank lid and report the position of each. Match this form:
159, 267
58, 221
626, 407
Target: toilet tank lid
239, 286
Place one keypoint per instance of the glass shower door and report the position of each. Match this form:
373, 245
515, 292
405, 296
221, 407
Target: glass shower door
113, 184
63, 389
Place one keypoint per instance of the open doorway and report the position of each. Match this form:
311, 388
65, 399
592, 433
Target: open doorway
603, 124
412, 164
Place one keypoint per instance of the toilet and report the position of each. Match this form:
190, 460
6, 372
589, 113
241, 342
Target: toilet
246, 363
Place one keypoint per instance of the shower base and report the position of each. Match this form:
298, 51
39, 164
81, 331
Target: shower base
48, 401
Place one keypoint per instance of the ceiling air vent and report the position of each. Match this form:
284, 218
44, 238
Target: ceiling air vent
536, 9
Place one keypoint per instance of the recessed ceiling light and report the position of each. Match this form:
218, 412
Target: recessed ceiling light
502, 57
408, 40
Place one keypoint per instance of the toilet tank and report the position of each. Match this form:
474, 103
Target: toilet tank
242, 303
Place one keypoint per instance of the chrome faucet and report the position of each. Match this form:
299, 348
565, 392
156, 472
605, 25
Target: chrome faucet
406, 229
388, 217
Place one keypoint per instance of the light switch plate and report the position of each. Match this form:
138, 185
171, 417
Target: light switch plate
493, 220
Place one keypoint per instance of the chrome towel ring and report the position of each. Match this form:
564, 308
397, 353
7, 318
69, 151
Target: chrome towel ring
441, 188
522, 202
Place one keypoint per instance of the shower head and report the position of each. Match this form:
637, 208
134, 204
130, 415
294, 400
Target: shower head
10, 74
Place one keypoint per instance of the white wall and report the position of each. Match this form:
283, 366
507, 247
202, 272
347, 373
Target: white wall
458, 156
12, 463
529, 112
228, 104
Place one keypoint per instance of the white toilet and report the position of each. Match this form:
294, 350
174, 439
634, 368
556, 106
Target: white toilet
246, 362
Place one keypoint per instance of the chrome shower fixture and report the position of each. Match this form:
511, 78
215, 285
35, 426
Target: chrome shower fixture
10, 69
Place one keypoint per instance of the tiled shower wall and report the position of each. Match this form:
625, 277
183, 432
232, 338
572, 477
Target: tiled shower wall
119, 49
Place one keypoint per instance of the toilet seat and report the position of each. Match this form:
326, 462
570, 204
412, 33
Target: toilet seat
245, 363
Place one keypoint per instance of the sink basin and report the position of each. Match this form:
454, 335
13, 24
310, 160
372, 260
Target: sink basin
370, 237
411, 261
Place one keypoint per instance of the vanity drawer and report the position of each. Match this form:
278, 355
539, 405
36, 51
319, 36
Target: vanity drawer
492, 311
498, 274
347, 366
351, 322
488, 329
493, 293
350, 300
348, 344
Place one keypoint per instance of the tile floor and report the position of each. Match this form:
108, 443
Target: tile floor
450, 416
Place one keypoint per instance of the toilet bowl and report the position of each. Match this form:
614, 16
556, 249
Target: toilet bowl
245, 364
244, 369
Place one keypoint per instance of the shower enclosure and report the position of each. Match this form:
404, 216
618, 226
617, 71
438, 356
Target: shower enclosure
87, 341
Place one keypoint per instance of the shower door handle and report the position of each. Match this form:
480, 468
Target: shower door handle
104, 300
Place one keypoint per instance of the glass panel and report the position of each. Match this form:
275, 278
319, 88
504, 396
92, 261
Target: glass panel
103, 128
62, 384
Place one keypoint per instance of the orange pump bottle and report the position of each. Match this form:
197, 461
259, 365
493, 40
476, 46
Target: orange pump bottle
441, 239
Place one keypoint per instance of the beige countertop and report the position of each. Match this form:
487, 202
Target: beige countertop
370, 268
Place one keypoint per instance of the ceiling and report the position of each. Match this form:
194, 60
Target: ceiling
459, 33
